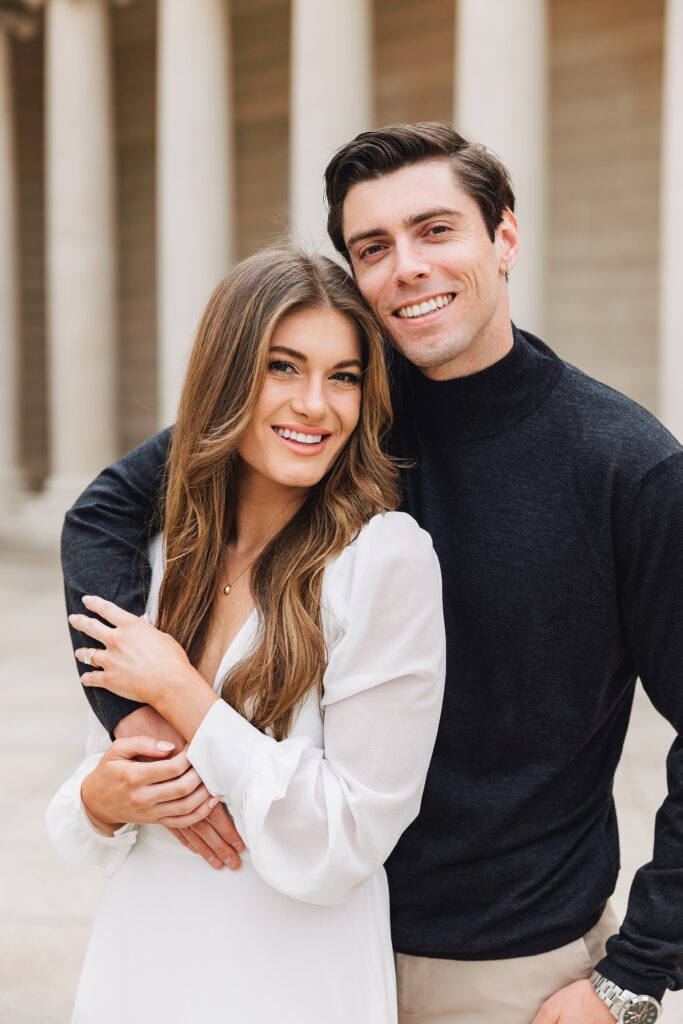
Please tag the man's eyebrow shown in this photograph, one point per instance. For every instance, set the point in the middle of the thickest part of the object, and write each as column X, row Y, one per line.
column 304, row 359
column 416, row 218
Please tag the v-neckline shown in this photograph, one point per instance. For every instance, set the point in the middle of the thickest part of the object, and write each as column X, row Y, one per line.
column 220, row 671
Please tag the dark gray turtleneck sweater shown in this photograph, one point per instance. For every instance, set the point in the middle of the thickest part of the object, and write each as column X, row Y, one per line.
column 556, row 509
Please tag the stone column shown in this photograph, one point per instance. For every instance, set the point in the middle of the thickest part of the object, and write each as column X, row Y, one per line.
column 500, row 100
column 330, row 102
column 194, row 176
column 10, row 474
column 671, row 230
column 81, row 252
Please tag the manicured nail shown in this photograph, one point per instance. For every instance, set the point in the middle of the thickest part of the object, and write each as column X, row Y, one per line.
column 71, row 618
column 164, row 745
column 85, row 598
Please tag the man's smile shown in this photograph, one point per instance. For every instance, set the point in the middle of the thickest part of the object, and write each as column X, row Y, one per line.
column 422, row 308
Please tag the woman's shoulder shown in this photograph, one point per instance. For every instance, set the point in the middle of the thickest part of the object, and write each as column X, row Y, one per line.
column 387, row 535
column 390, row 545
column 384, row 582
column 389, row 528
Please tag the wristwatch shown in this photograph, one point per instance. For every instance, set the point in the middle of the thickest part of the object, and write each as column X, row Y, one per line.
column 626, row 1007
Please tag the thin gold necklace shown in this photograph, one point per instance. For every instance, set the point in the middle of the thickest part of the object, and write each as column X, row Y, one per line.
column 228, row 586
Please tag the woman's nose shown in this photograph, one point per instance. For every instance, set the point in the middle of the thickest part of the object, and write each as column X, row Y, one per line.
column 310, row 400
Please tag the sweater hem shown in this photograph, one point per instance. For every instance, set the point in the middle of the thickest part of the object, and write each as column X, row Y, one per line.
column 528, row 947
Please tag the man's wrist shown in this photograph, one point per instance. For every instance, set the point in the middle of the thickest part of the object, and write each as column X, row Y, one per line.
column 626, row 1007
column 134, row 723
column 630, row 979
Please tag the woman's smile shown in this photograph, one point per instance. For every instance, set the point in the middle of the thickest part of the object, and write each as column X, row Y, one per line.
column 303, row 440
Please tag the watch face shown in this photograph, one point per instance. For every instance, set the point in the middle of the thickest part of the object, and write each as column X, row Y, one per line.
column 641, row 1013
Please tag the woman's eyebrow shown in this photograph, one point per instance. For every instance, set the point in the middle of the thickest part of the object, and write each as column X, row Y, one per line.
column 289, row 352
column 304, row 359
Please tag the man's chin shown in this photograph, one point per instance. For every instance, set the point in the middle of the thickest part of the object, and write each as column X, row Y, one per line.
column 429, row 354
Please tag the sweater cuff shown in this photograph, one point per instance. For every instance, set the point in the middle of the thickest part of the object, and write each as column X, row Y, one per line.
column 226, row 751
column 639, row 984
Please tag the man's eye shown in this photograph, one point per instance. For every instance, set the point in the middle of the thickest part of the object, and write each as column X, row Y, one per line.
column 438, row 229
column 282, row 367
column 370, row 250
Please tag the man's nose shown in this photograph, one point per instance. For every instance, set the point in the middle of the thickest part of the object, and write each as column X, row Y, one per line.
column 410, row 262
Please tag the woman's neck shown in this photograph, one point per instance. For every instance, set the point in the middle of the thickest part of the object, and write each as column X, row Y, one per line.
column 263, row 508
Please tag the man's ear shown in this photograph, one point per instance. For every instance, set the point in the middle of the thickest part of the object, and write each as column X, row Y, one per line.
column 507, row 238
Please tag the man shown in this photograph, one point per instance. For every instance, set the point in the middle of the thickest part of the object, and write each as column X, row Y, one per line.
column 556, row 509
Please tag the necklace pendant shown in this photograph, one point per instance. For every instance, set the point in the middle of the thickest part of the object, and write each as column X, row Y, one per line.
column 227, row 589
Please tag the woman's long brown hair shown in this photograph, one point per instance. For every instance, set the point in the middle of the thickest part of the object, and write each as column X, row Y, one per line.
column 225, row 374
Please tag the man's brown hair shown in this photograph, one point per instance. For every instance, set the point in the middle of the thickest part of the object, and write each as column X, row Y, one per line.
column 373, row 154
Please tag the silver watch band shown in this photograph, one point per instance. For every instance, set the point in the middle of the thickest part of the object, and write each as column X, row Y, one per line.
column 612, row 996
column 615, row 998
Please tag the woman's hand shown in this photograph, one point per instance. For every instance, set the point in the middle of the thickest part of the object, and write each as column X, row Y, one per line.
column 165, row 791
column 138, row 661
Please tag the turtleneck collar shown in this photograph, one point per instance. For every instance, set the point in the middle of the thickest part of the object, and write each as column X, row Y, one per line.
column 488, row 402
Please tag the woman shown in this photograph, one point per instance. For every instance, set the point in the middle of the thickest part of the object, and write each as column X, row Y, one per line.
column 300, row 653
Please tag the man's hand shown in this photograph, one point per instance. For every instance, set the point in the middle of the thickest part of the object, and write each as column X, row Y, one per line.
column 575, row 1004
column 215, row 838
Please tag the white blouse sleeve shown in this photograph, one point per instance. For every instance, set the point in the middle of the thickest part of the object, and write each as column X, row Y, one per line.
column 71, row 832
column 318, row 822
column 73, row 835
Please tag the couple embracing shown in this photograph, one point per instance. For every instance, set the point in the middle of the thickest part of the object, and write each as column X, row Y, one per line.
column 263, row 738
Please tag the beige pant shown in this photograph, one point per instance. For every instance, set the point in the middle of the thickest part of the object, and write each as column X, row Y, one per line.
column 432, row 991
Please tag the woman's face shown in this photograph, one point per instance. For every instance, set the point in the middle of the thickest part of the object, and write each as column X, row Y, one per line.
column 310, row 402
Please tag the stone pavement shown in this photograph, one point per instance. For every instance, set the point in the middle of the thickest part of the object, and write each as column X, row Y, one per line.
column 46, row 907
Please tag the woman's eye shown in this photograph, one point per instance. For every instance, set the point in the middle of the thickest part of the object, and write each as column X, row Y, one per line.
column 282, row 367
column 347, row 378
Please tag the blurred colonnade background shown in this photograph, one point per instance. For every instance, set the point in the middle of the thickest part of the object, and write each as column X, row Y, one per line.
column 147, row 145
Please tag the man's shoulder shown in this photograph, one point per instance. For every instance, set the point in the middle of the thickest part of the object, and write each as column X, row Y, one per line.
column 598, row 418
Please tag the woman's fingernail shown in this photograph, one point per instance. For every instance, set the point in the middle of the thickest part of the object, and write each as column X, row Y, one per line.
column 85, row 598
column 165, row 745
column 213, row 801
column 234, row 863
column 238, row 846
column 215, row 863
column 71, row 618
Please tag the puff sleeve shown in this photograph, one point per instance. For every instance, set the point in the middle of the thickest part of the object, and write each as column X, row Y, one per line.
column 320, row 820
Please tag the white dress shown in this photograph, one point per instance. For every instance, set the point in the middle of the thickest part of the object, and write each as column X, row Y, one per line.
column 300, row 933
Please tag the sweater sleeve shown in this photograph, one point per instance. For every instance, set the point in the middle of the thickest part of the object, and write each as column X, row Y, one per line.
column 318, row 821
column 104, row 545
column 647, row 955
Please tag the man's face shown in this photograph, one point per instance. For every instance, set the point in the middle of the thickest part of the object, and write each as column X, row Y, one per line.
column 415, row 237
